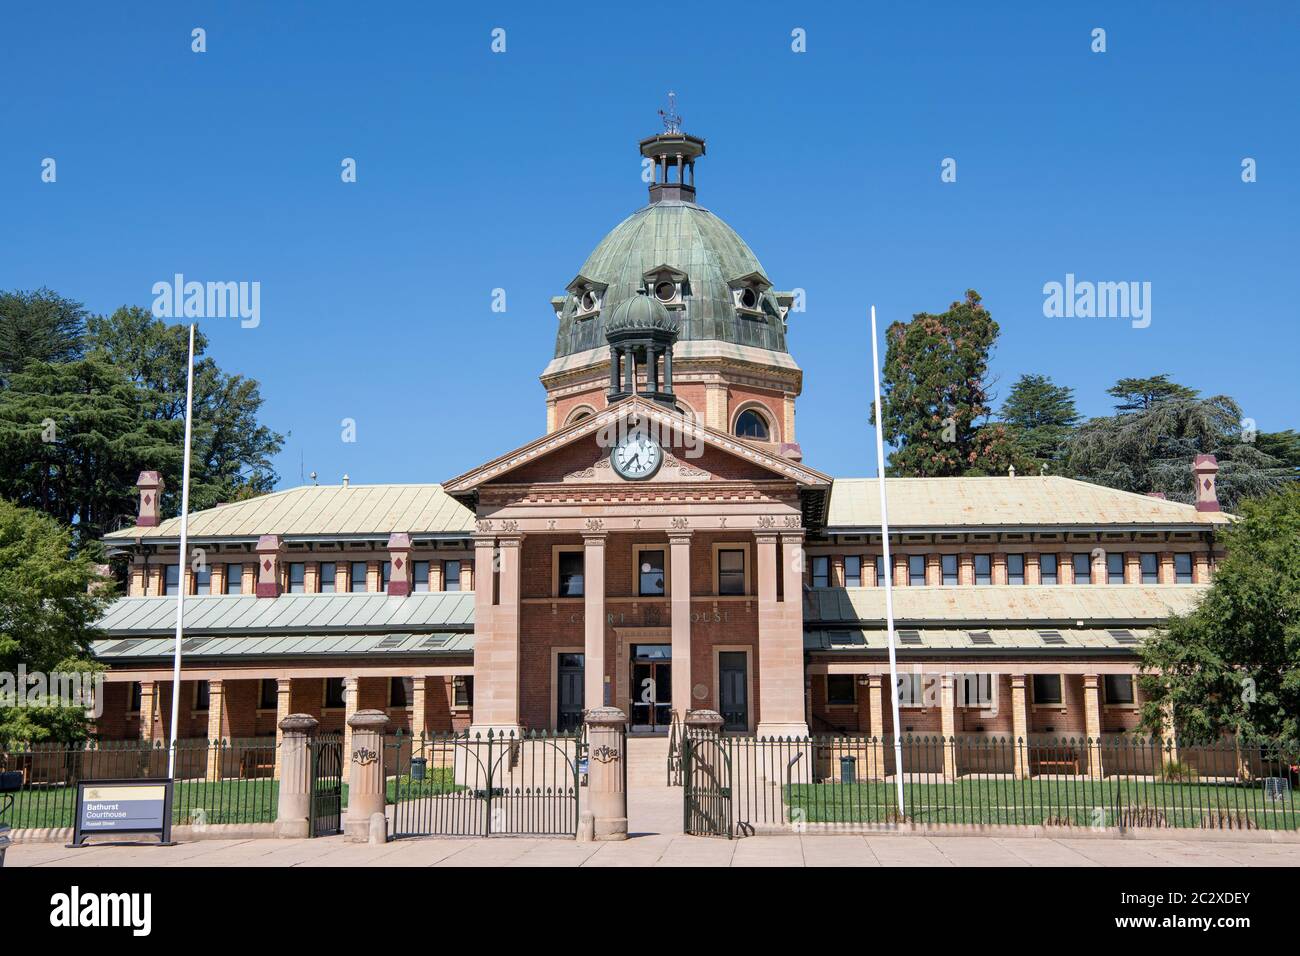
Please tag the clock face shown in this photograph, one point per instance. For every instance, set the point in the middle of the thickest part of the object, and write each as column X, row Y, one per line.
column 636, row 457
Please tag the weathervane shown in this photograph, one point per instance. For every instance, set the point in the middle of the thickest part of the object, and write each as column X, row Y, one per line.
column 672, row 122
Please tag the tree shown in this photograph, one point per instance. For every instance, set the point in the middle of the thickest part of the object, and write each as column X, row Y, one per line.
column 1284, row 446
column 1232, row 665
column 936, row 395
column 50, row 600
column 73, row 439
column 1041, row 416
column 1152, row 448
column 232, row 451
column 1138, row 394
column 38, row 326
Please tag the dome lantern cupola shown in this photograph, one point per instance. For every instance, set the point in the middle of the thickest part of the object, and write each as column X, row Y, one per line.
column 673, row 154
column 641, row 333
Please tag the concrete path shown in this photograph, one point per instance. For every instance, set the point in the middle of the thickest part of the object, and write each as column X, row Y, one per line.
column 665, row 849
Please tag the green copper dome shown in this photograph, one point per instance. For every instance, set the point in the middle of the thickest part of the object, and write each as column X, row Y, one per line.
column 640, row 313
column 697, row 251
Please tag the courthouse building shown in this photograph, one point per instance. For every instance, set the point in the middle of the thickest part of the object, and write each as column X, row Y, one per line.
column 664, row 546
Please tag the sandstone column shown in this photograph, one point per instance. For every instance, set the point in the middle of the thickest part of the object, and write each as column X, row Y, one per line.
column 876, row 704
column 780, row 638
column 593, row 617
column 419, row 715
column 1019, row 726
column 147, row 692
column 365, row 774
column 679, row 545
column 948, row 725
column 216, row 748
column 496, row 646
column 351, row 688
column 283, row 690
column 606, row 814
column 1092, row 723
column 292, row 816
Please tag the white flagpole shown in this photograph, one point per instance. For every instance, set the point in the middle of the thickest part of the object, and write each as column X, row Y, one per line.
column 889, row 566
column 182, row 558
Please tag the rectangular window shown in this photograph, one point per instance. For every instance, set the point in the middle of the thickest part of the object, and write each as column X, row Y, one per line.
column 915, row 570
column 462, row 689
column 233, row 582
column 357, row 576
column 1114, row 568
column 1047, row 688
column 1015, row 569
column 975, row 690
column 731, row 571
column 571, row 574
column 853, row 571
column 1082, row 568
column 203, row 579
column 420, row 576
column 325, row 580
column 386, row 575
column 948, row 567
column 1182, row 569
column 202, row 695
column 650, row 573
column 841, row 690
column 171, row 579
column 334, row 693
column 1047, row 569
column 137, row 694
column 400, row 691
column 983, row 569
column 821, row 571
column 297, row 578
column 1118, row 688
column 451, row 575
column 880, row 571
column 268, row 693
column 1150, row 567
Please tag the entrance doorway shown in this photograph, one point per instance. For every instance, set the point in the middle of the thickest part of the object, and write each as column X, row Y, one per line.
column 569, row 689
column 652, row 687
column 733, row 689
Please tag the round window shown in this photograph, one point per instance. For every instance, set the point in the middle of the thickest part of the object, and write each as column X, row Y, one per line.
column 588, row 301
column 666, row 291
column 749, row 298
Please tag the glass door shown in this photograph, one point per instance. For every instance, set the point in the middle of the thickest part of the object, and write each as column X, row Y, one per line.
column 652, row 687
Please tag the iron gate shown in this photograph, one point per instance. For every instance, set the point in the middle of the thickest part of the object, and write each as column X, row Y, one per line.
column 706, row 785
column 487, row 785
column 326, row 815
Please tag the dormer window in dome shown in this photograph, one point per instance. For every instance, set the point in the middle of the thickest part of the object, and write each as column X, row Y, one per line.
column 668, row 285
column 589, row 295
column 747, row 294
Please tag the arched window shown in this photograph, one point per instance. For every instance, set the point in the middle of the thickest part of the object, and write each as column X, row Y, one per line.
column 578, row 414
column 751, row 424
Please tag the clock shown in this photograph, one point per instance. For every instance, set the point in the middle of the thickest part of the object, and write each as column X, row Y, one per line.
column 636, row 457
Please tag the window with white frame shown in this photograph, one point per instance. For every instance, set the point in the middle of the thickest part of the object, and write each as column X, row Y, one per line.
column 1015, row 569
column 1047, row 569
column 852, row 571
column 821, row 571
column 948, row 568
column 327, row 577
column 983, row 569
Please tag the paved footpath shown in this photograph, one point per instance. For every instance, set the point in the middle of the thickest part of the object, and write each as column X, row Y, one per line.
column 666, row 849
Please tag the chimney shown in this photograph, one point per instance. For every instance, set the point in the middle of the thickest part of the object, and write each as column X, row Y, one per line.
column 399, row 553
column 268, row 566
column 151, row 485
column 1205, row 467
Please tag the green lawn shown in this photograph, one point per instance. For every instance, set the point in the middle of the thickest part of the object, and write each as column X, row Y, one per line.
column 1039, row 801
column 216, row 801
column 437, row 781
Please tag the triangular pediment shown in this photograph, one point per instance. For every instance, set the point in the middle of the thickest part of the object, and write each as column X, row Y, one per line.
column 579, row 454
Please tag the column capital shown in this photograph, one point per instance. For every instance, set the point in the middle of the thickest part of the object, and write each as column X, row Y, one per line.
column 1018, row 680
column 1091, row 680
column 680, row 536
column 766, row 537
column 594, row 537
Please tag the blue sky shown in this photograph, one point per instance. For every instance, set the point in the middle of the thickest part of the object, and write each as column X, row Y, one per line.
column 479, row 171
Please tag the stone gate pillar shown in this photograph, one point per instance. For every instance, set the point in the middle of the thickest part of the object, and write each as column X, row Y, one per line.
column 365, row 773
column 291, row 818
column 606, row 814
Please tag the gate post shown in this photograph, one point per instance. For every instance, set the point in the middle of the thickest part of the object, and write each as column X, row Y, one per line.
column 294, row 809
column 365, row 774
column 707, row 720
column 606, row 814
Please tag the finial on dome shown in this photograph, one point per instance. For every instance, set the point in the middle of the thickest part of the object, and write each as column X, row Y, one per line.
column 674, row 154
column 672, row 120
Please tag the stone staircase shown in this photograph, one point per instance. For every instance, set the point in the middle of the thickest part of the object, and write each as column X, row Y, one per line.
column 647, row 762
column 652, row 806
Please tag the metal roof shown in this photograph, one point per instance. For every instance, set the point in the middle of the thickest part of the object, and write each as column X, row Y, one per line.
column 945, row 639
column 324, row 511
column 301, row 613
column 1035, row 501
column 1095, row 604
column 298, row 646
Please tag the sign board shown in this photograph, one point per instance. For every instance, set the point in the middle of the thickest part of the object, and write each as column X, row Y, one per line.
column 123, row 807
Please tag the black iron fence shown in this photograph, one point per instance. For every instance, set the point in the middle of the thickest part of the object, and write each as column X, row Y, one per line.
column 219, row 781
column 736, row 785
column 485, row 785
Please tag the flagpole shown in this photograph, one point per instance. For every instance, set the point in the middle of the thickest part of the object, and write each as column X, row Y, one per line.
column 889, row 567
column 182, row 558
